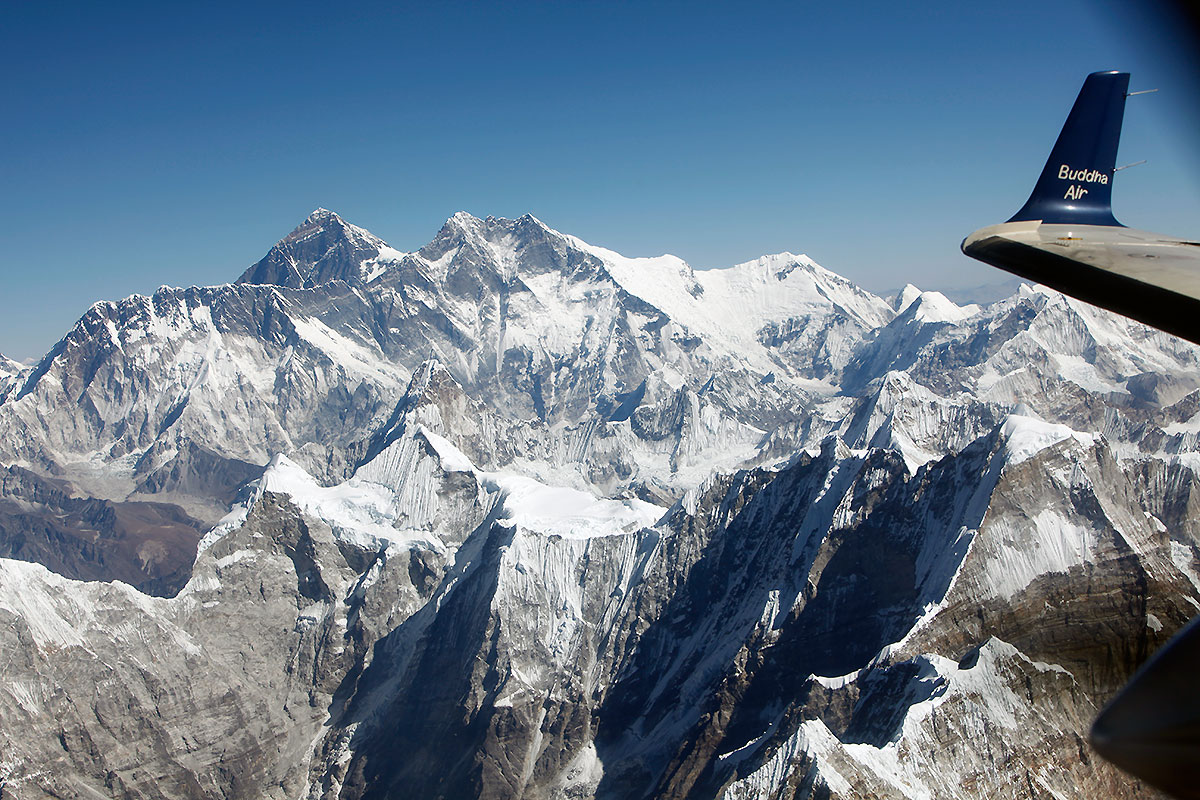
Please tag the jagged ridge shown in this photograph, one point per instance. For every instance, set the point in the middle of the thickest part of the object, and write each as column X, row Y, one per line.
column 837, row 535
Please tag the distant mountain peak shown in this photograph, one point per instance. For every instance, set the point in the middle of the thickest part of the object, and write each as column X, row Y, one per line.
column 464, row 219
column 906, row 297
column 932, row 307
column 322, row 248
column 323, row 219
column 489, row 227
column 9, row 367
column 499, row 245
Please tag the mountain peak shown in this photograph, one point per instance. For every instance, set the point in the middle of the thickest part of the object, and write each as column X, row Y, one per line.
column 530, row 219
column 322, row 248
column 906, row 297
column 321, row 220
column 9, row 367
column 1025, row 437
column 489, row 226
column 464, row 219
column 498, row 244
column 932, row 307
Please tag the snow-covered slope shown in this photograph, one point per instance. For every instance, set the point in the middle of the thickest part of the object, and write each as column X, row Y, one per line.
column 8, row 367
column 517, row 516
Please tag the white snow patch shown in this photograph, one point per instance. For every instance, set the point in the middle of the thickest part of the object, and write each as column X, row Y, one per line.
column 235, row 557
column 936, row 307
column 25, row 594
column 841, row 680
column 990, row 695
column 357, row 510
column 344, row 352
column 62, row 612
column 1184, row 560
column 906, row 298
column 1026, row 437
column 1177, row 428
column 1018, row 551
column 453, row 459
column 813, row 738
column 234, row 519
column 569, row 513
column 388, row 257
column 1079, row 371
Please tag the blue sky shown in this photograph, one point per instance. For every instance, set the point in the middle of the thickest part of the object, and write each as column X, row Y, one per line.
column 156, row 143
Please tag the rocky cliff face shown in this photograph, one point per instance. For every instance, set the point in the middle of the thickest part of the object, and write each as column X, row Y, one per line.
column 515, row 516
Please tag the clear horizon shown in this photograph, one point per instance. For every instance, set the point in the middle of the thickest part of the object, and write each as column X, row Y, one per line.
column 153, row 145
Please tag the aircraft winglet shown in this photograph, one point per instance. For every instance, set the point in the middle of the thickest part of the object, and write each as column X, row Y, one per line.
column 1065, row 235
column 1076, row 183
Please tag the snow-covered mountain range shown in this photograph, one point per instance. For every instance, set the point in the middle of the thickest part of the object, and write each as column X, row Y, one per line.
column 518, row 516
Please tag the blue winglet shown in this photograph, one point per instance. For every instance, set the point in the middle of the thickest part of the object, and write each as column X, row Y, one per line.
column 1076, row 183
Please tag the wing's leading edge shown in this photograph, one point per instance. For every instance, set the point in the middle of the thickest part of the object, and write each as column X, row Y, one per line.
column 1065, row 236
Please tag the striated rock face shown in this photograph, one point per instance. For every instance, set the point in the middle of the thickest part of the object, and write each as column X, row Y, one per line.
column 631, row 531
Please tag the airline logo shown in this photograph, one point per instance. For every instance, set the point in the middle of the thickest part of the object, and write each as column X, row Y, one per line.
column 1065, row 173
column 1080, row 176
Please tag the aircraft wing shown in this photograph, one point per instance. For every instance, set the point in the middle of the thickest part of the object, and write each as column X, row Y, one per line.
column 1152, row 278
column 1065, row 236
column 1150, row 727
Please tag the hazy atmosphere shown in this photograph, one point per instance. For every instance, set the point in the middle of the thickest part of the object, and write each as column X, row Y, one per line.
column 149, row 144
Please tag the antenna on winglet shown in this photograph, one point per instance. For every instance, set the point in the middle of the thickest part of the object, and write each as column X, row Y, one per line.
column 1143, row 161
column 1075, row 186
